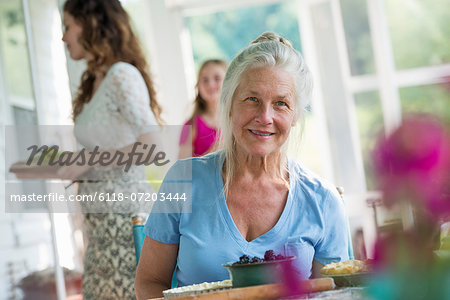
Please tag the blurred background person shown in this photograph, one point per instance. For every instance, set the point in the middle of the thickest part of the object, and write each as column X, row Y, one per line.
column 201, row 137
column 114, row 108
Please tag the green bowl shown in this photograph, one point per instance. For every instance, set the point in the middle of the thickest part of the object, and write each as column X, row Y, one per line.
column 257, row 273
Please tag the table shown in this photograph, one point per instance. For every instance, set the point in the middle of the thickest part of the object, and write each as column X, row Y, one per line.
column 322, row 289
column 350, row 293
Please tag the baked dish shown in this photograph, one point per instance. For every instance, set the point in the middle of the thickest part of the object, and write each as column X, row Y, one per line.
column 195, row 289
column 345, row 267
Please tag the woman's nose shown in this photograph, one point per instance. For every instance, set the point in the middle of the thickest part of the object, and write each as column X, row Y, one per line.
column 265, row 114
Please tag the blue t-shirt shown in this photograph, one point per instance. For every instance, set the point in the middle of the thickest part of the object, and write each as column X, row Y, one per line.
column 312, row 225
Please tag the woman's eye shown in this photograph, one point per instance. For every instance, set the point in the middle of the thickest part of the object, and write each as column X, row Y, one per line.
column 252, row 98
column 281, row 103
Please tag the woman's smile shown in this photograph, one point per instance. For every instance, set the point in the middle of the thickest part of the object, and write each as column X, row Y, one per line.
column 261, row 134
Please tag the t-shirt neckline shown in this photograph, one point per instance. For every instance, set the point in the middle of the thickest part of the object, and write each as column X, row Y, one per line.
column 229, row 222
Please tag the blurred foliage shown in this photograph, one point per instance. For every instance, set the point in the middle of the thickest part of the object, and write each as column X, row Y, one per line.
column 224, row 33
column 370, row 123
column 420, row 32
column 14, row 50
column 432, row 99
column 357, row 32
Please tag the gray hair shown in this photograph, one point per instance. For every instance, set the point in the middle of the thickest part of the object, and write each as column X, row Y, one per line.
column 268, row 50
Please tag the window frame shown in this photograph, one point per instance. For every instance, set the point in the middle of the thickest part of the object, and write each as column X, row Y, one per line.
column 387, row 80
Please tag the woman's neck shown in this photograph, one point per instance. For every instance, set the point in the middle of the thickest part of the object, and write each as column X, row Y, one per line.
column 100, row 74
column 211, row 110
column 101, row 71
column 270, row 166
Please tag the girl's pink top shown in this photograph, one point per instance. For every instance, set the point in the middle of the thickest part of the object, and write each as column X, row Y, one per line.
column 204, row 139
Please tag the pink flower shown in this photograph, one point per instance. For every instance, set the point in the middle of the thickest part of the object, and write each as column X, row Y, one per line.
column 413, row 163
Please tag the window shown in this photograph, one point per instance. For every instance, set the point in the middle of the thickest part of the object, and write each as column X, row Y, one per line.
column 419, row 36
column 28, row 246
column 223, row 34
column 420, row 32
column 357, row 32
column 13, row 44
column 370, row 125
column 432, row 99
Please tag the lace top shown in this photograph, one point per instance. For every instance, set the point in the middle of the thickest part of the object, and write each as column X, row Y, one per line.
column 118, row 113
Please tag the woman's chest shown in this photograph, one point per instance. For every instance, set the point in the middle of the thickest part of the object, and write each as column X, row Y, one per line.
column 100, row 123
column 206, row 245
column 101, row 109
column 256, row 211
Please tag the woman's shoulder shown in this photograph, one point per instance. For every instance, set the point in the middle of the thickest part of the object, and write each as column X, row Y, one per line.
column 123, row 66
column 206, row 161
column 188, row 122
column 195, row 120
column 309, row 181
column 194, row 170
column 122, row 70
column 201, row 122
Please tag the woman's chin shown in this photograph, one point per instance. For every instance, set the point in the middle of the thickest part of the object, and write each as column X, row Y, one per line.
column 212, row 100
column 262, row 152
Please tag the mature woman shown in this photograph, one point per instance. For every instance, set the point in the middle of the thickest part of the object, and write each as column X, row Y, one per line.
column 248, row 197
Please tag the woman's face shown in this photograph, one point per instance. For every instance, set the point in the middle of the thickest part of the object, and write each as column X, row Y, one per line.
column 71, row 37
column 263, row 110
column 210, row 82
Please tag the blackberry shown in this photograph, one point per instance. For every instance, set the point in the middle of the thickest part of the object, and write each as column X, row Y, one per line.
column 269, row 255
column 244, row 259
column 256, row 260
column 279, row 257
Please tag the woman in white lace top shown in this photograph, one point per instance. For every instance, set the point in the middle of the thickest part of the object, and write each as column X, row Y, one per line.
column 115, row 107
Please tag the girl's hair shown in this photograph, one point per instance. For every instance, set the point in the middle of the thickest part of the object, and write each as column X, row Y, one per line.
column 108, row 36
column 268, row 50
column 200, row 105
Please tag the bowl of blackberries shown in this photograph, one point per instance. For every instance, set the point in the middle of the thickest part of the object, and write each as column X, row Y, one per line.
column 248, row 271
